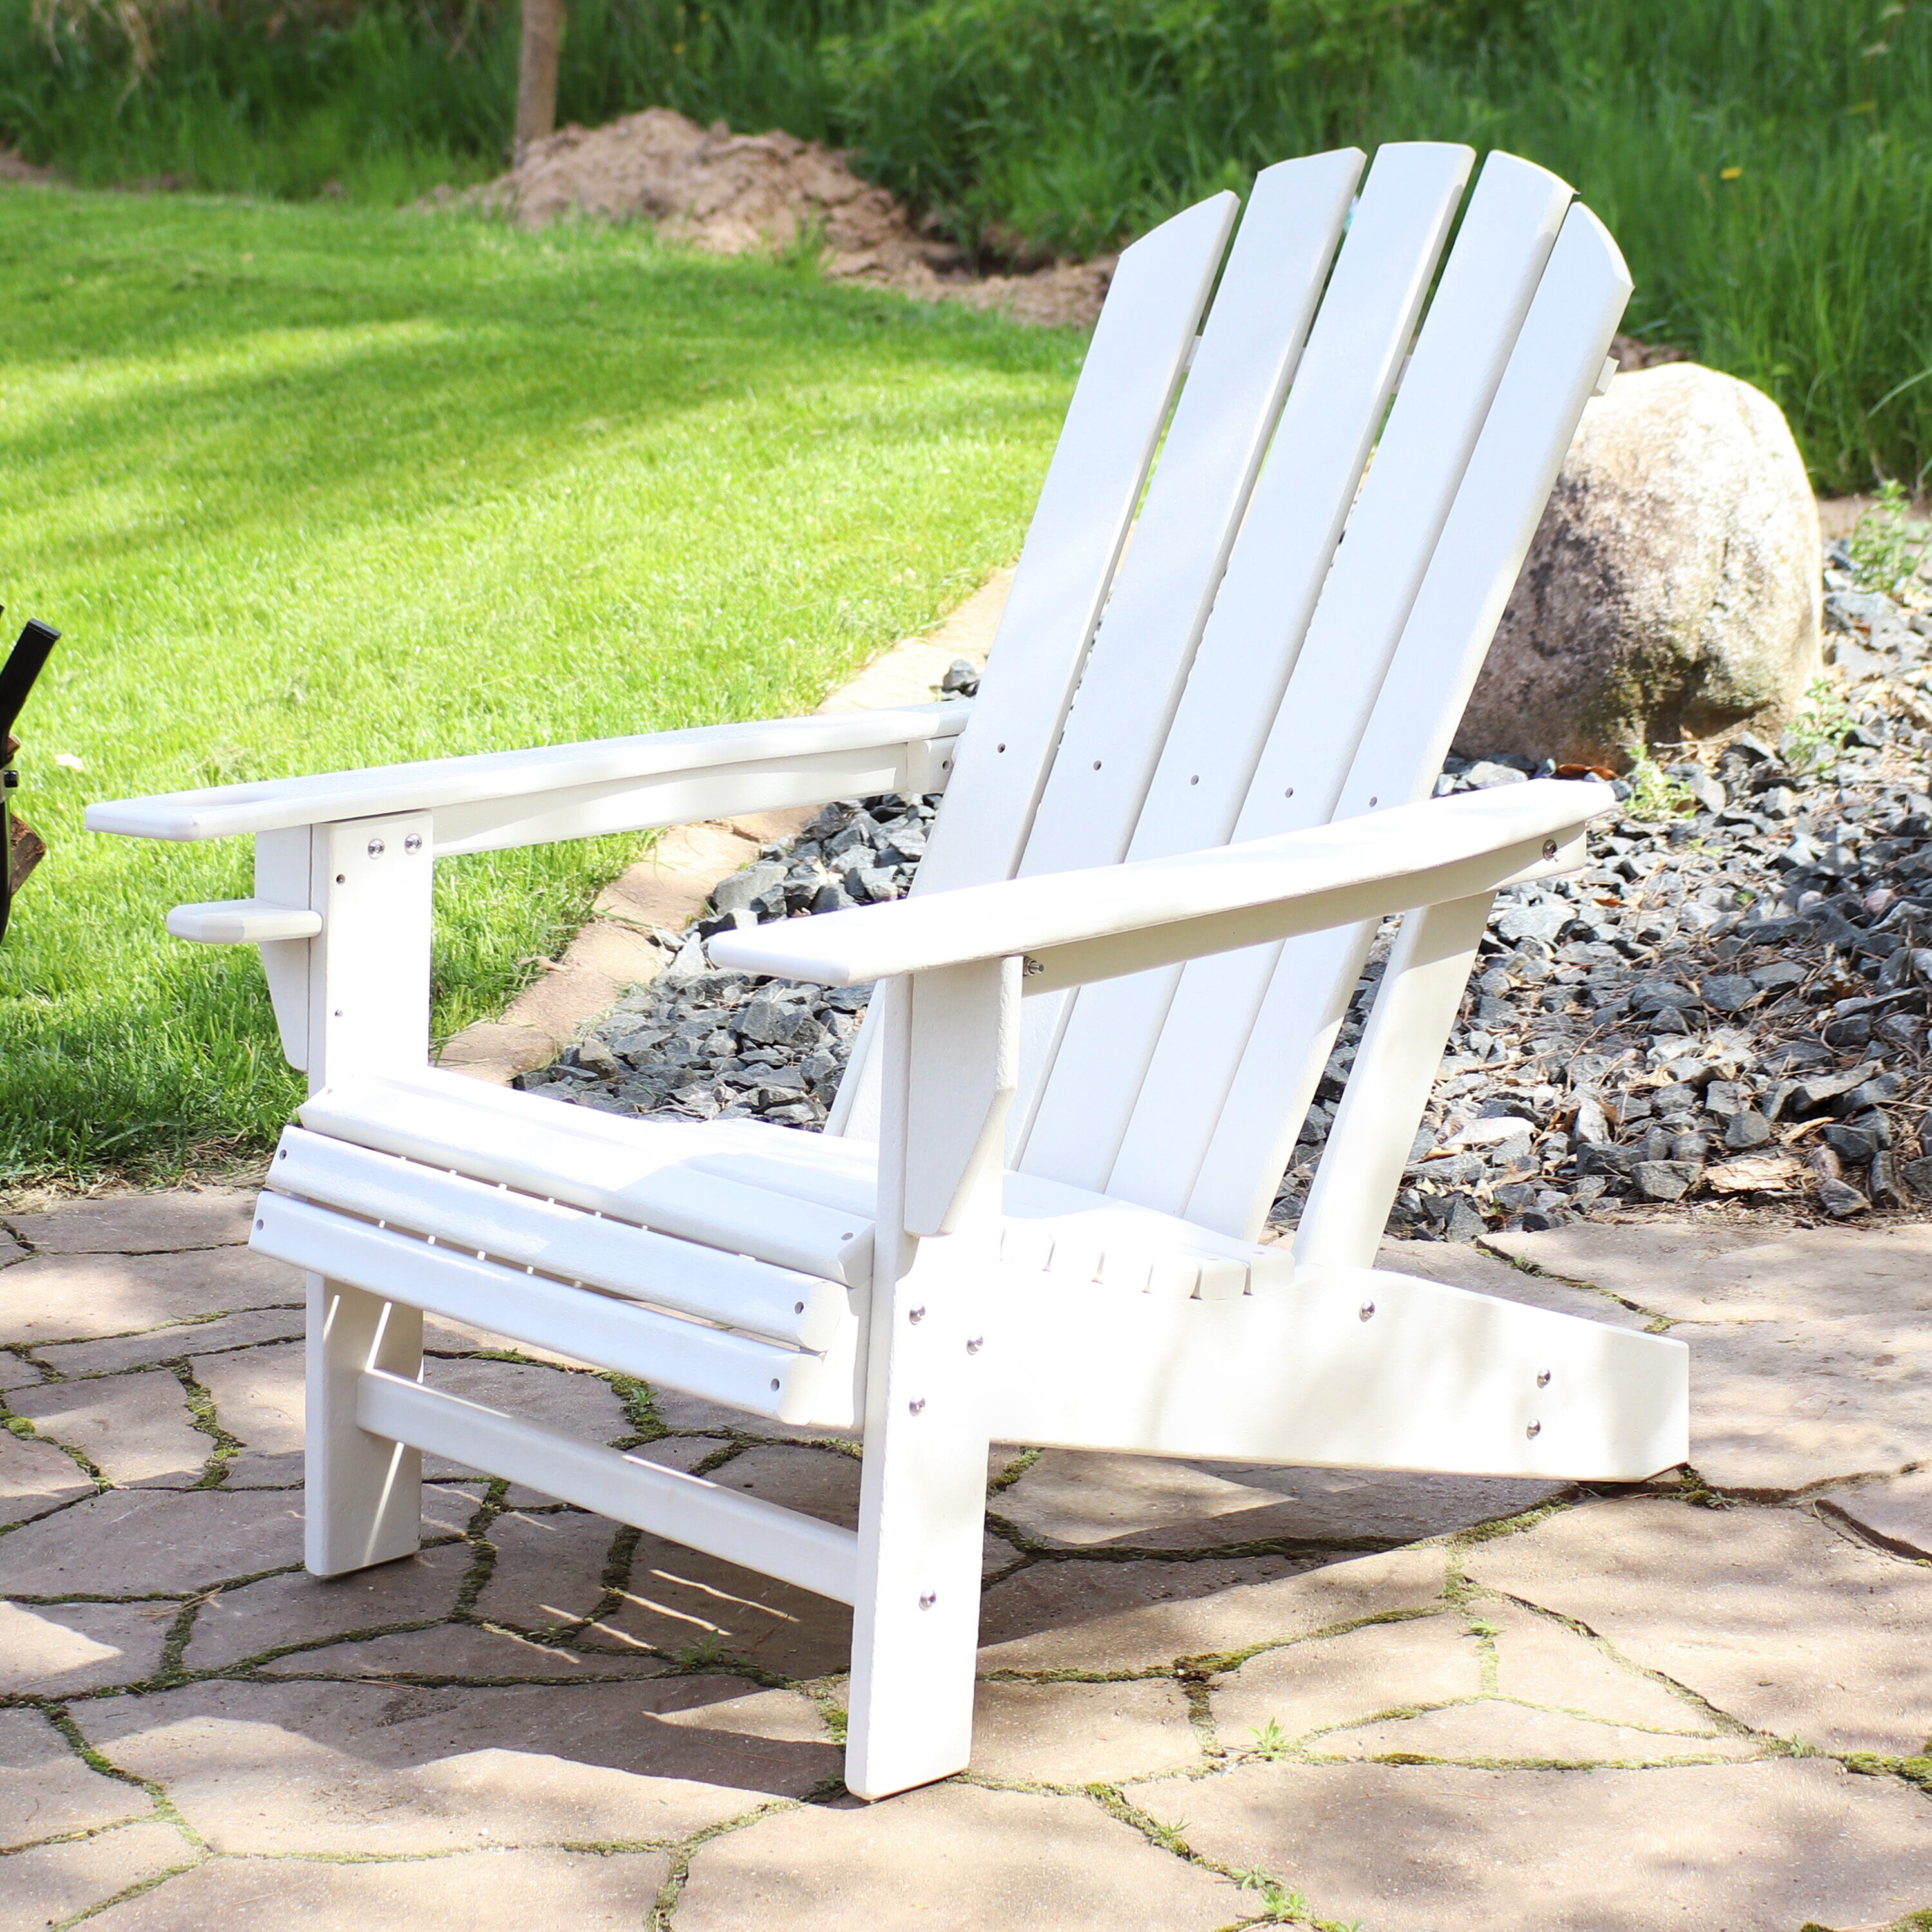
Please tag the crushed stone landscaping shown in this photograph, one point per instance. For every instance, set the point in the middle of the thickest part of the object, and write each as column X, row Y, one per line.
column 1729, row 1007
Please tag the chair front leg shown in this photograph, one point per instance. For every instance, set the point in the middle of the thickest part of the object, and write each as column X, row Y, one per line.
column 363, row 1494
column 368, row 973
column 950, row 1039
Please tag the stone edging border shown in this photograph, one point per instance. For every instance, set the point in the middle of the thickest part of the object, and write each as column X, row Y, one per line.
column 665, row 889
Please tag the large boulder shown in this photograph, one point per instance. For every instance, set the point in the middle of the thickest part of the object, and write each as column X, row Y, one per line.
column 1673, row 587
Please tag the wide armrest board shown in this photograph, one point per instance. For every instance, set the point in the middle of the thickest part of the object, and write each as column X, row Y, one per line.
column 1076, row 926
column 491, row 778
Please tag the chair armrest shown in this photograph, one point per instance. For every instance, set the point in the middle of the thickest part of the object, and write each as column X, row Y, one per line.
column 1073, row 928
column 498, row 798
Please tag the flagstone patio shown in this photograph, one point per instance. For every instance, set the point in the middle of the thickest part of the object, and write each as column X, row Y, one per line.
column 1212, row 1695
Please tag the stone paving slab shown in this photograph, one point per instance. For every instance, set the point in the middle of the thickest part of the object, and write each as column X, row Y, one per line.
column 45, row 1789
column 950, row 1859
column 1076, row 1498
column 134, row 1428
column 47, row 1884
column 362, row 1770
column 281, row 1612
column 1059, row 1733
column 36, row 1477
column 1238, row 1647
column 1707, row 1848
column 132, row 1542
column 67, row 1650
column 1493, row 1731
column 1811, row 1349
column 1896, row 1513
column 178, row 1342
column 480, row 1891
column 139, row 1224
column 50, row 1298
column 1770, row 1614
column 1716, row 1271
column 1142, row 1616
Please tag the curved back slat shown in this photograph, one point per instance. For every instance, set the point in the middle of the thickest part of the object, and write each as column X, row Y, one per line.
column 1274, row 576
column 1290, row 638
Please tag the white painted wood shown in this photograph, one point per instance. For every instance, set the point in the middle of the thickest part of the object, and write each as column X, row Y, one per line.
column 1141, row 349
column 1183, row 1103
column 283, row 862
column 1529, row 427
column 922, row 1507
column 1044, row 1223
column 1238, row 376
column 443, row 785
column 701, row 1515
column 1395, row 1066
column 777, row 1304
column 642, row 805
column 1434, row 1378
column 1275, row 573
column 758, row 1376
column 1166, row 583
column 371, row 881
column 1133, row 365
column 1411, row 850
column 362, row 1493
column 634, row 1171
column 242, row 922
column 965, row 1023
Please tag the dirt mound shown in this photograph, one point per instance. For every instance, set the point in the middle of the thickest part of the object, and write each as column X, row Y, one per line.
column 734, row 193
column 13, row 168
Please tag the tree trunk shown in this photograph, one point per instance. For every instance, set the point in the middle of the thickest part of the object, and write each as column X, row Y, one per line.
column 536, row 73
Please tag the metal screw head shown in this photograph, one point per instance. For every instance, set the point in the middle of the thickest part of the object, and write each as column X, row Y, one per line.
column 978, row 1342
column 1029, row 965
column 1542, row 1380
column 915, row 1315
column 1368, row 1309
column 927, row 1598
column 1549, row 848
column 1535, row 1430
column 413, row 843
column 917, row 1403
column 375, row 848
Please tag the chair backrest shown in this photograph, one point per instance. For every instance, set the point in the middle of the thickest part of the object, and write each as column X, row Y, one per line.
column 1319, row 560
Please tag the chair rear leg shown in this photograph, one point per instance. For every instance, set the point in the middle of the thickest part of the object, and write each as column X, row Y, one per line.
column 363, row 1493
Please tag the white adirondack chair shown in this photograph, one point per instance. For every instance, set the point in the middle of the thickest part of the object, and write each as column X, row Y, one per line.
column 1197, row 772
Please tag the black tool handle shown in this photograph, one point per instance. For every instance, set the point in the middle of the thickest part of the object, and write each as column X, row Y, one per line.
column 24, row 663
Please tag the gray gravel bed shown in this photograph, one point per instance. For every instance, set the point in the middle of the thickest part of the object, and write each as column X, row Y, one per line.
column 1730, row 1004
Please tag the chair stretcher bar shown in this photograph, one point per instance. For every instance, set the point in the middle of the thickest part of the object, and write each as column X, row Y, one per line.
column 817, row 1556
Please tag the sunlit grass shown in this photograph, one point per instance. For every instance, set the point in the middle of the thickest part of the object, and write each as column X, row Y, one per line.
column 308, row 487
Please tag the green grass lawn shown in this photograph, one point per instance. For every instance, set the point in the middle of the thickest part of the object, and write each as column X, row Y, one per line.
column 308, row 487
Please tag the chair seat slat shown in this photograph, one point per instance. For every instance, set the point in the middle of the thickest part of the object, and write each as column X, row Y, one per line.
column 590, row 1160
column 782, row 1304
column 788, row 1385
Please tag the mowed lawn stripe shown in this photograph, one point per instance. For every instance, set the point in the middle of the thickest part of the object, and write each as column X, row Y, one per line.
column 308, row 487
